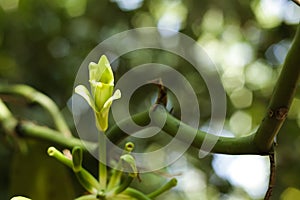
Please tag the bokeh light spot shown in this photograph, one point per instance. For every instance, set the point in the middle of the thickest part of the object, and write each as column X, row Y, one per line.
column 238, row 55
column 240, row 123
column 248, row 171
column 241, row 98
column 126, row 5
column 258, row 75
column 233, row 78
column 213, row 21
column 75, row 8
column 9, row 5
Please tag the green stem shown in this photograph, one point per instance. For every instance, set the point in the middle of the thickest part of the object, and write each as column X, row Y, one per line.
column 136, row 194
column 115, row 178
column 170, row 184
column 53, row 152
column 7, row 119
column 84, row 177
column 242, row 145
column 116, row 135
column 260, row 143
column 125, row 184
column 27, row 129
column 225, row 145
column 30, row 130
column 102, row 161
column 281, row 99
column 34, row 96
column 117, row 172
column 77, row 158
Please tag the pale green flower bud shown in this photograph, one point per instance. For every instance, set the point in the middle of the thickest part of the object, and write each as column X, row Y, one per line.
column 101, row 80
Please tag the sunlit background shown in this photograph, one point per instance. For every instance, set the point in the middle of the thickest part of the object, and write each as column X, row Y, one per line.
column 42, row 43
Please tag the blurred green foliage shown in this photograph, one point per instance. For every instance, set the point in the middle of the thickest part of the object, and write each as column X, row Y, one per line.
column 42, row 44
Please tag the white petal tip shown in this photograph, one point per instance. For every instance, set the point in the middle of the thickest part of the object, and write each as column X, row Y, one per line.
column 79, row 89
column 117, row 94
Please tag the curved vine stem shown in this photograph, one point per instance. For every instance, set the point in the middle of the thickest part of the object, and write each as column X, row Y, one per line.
column 281, row 99
column 136, row 194
column 258, row 143
column 7, row 119
column 30, row 130
column 242, row 145
column 44, row 101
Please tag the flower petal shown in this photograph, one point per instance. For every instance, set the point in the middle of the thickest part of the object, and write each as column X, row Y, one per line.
column 107, row 75
column 115, row 96
column 93, row 71
column 101, row 121
column 102, row 116
column 84, row 92
column 101, row 71
column 102, row 92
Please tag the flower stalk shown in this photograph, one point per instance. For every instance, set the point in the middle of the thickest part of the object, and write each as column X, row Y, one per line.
column 102, row 161
column 100, row 98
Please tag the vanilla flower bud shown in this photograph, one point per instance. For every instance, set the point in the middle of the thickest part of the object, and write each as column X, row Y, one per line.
column 101, row 81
